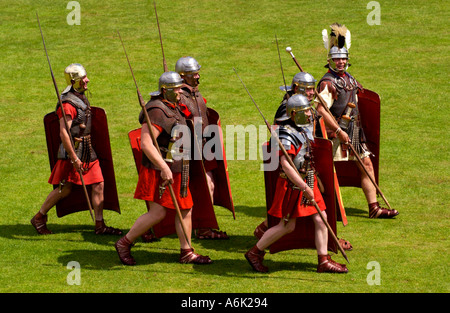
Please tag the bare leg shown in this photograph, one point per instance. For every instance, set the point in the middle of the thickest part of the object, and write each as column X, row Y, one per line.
column 155, row 214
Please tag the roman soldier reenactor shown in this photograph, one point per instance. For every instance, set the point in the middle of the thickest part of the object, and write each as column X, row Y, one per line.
column 346, row 101
column 160, row 168
column 90, row 154
column 213, row 170
column 291, row 199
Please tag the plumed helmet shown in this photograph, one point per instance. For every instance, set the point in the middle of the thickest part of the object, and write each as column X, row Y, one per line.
column 300, row 104
column 337, row 43
column 337, row 53
column 187, row 65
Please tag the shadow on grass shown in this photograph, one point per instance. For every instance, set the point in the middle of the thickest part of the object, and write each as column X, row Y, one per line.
column 251, row 211
column 27, row 232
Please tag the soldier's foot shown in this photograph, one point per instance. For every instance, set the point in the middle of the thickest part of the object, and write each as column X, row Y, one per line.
column 39, row 222
column 376, row 211
column 189, row 256
column 255, row 258
column 327, row 265
column 102, row 229
column 123, row 248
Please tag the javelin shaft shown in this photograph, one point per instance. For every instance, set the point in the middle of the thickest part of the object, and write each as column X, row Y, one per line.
column 281, row 66
column 155, row 143
column 291, row 163
column 65, row 119
column 166, row 69
column 322, row 102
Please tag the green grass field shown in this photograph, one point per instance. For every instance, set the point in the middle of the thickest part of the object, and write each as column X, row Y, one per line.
column 405, row 60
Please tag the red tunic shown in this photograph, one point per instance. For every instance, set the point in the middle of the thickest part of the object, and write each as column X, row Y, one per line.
column 64, row 169
column 284, row 192
column 148, row 189
column 148, row 186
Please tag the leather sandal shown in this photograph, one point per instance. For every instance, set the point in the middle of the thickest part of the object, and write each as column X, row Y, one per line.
column 39, row 222
column 208, row 233
column 102, row 229
column 376, row 211
column 260, row 230
column 123, row 248
column 189, row 256
column 327, row 265
column 255, row 257
column 149, row 236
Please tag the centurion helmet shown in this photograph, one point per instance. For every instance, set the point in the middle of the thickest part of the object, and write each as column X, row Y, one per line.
column 74, row 73
column 303, row 80
column 335, row 44
column 187, row 65
column 300, row 105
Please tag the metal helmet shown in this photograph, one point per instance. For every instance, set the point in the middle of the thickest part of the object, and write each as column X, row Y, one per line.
column 337, row 53
column 300, row 105
column 187, row 65
column 303, row 80
column 169, row 81
column 74, row 72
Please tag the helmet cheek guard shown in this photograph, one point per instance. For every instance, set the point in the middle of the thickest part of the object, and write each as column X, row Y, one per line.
column 301, row 106
column 73, row 74
column 337, row 53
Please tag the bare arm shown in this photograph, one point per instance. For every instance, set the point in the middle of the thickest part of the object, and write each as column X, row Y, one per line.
column 65, row 139
column 296, row 179
column 153, row 154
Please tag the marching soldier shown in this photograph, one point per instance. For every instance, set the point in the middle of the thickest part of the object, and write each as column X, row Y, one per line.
column 158, row 170
column 70, row 161
column 303, row 83
column 189, row 68
column 293, row 194
column 340, row 91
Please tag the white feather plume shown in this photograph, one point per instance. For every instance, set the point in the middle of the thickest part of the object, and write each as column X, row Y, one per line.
column 325, row 38
column 348, row 39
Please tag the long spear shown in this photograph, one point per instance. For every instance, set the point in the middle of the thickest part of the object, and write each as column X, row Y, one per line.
column 166, row 69
column 356, row 154
column 336, row 182
column 155, row 143
column 322, row 102
column 65, row 119
column 291, row 163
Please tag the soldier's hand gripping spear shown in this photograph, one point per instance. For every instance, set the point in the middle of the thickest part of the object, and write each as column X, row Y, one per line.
column 291, row 163
column 67, row 128
column 155, row 143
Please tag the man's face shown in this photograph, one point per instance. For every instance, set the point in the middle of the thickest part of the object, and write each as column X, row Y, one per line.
column 310, row 93
column 81, row 85
column 192, row 79
column 340, row 64
column 172, row 95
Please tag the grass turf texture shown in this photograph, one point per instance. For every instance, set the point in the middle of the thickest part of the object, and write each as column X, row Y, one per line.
column 405, row 60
